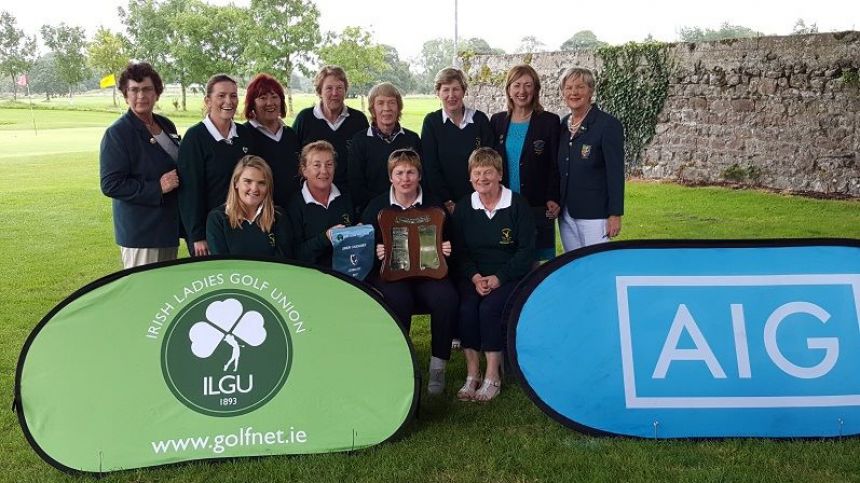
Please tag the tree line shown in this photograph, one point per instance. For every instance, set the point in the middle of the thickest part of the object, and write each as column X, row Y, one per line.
column 189, row 40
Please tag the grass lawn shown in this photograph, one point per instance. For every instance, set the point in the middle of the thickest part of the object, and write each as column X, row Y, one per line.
column 58, row 236
column 59, row 131
column 95, row 103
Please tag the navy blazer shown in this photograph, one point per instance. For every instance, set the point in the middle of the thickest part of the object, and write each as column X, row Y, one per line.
column 591, row 166
column 131, row 165
column 538, row 159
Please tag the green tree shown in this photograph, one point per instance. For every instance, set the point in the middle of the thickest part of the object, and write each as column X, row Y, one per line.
column 225, row 39
column 584, row 39
column 188, row 26
column 108, row 54
column 17, row 51
column 726, row 31
column 44, row 77
column 356, row 53
column 147, row 31
column 478, row 45
column 529, row 44
column 283, row 35
column 67, row 44
column 436, row 54
column 397, row 71
column 187, row 40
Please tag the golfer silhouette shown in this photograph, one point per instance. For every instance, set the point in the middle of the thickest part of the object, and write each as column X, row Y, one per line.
column 234, row 358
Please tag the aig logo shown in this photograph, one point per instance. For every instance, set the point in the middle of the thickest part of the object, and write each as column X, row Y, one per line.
column 739, row 341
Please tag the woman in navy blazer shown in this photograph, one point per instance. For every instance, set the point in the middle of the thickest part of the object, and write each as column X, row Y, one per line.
column 591, row 166
column 138, row 170
column 527, row 138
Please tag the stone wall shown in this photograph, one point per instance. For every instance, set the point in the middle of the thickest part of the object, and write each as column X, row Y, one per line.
column 774, row 112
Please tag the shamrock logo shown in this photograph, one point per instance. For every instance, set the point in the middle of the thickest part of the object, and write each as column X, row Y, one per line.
column 227, row 321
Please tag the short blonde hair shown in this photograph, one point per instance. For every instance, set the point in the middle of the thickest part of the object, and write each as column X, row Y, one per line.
column 323, row 146
column 385, row 89
column 484, row 158
column 448, row 75
column 233, row 205
column 330, row 70
column 406, row 156
column 586, row 74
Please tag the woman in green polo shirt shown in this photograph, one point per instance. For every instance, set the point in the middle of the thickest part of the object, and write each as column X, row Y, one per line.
column 207, row 155
column 494, row 247
column 249, row 223
column 319, row 207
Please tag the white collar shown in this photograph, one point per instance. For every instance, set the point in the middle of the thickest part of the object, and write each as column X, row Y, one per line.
column 256, row 215
column 468, row 117
column 393, row 201
column 210, row 126
column 344, row 113
column 308, row 197
column 370, row 132
column 504, row 202
column 263, row 129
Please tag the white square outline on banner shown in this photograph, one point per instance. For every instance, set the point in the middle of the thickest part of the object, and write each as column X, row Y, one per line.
column 622, row 283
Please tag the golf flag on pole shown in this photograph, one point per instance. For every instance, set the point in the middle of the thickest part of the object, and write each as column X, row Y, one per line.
column 107, row 81
column 22, row 80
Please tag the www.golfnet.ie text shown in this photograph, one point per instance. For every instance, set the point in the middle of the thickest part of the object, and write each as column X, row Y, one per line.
column 220, row 442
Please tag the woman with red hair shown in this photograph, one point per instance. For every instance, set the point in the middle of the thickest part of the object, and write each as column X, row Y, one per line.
column 275, row 142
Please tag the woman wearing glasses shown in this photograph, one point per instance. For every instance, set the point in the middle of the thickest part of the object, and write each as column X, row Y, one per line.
column 137, row 164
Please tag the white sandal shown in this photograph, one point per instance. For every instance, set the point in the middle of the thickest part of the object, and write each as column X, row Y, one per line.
column 488, row 391
column 467, row 392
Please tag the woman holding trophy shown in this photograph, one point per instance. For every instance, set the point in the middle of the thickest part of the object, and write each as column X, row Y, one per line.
column 404, row 295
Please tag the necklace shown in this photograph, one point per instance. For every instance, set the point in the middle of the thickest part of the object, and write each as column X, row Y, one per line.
column 574, row 126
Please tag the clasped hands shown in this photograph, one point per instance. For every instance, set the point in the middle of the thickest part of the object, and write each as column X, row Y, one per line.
column 485, row 285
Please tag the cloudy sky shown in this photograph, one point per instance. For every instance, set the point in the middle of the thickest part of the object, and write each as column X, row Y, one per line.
column 406, row 24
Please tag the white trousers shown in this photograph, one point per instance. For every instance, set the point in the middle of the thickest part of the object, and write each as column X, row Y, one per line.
column 135, row 257
column 578, row 233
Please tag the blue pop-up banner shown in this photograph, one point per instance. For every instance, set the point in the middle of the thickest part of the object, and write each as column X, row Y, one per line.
column 692, row 339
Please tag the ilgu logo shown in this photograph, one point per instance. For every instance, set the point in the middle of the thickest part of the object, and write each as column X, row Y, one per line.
column 227, row 353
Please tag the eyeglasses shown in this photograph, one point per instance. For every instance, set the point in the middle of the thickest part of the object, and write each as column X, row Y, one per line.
column 145, row 90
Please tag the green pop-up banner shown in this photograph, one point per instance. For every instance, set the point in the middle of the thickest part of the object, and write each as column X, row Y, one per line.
column 218, row 358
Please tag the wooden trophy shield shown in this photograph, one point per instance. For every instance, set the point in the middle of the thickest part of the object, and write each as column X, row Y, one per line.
column 413, row 243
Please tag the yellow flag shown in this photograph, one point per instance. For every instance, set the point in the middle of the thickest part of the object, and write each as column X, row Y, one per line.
column 107, row 81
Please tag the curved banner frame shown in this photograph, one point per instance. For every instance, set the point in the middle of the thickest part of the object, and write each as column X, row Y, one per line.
column 694, row 338
column 222, row 357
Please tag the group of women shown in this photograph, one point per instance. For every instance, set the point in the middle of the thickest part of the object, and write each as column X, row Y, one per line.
column 265, row 189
